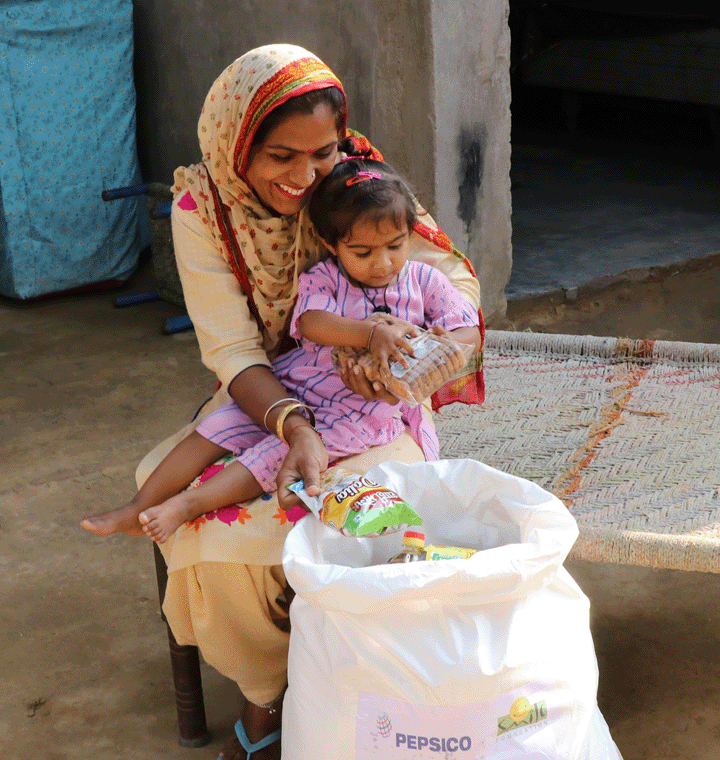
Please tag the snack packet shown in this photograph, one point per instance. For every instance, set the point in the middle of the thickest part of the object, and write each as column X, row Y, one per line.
column 448, row 552
column 357, row 506
column 436, row 361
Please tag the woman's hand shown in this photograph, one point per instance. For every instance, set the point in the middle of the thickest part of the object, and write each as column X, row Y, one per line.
column 259, row 393
column 306, row 459
column 356, row 381
column 469, row 335
column 441, row 331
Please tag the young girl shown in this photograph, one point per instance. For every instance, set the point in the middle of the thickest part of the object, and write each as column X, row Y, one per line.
column 365, row 295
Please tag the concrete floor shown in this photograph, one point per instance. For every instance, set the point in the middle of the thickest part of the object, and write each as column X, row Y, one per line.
column 608, row 185
column 592, row 209
column 87, row 390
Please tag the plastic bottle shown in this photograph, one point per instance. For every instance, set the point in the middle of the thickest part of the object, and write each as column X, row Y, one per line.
column 413, row 548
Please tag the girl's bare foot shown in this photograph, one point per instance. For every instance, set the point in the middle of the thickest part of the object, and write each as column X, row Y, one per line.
column 121, row 520
column 162, row 521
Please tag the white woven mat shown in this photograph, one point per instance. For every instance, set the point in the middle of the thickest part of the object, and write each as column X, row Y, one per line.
column 626, row 433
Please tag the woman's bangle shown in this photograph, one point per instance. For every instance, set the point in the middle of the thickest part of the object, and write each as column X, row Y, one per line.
column 283, row 416
column 272, row 406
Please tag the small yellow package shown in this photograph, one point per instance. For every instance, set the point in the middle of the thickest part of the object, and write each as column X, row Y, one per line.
column 448, row 552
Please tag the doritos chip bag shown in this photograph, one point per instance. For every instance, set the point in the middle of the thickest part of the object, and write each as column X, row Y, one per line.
column 357, row 506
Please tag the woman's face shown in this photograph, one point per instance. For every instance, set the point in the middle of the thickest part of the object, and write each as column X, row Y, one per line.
column 296, row 155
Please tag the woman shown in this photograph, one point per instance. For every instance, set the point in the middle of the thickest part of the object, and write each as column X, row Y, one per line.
column 273, row 125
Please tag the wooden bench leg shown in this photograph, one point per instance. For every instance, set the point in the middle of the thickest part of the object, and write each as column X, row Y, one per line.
column 185, row 662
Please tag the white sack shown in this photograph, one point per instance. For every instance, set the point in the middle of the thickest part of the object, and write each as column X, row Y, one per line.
column 489, row 657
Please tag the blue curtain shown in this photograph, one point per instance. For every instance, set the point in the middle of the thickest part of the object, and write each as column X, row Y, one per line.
column 67, row 131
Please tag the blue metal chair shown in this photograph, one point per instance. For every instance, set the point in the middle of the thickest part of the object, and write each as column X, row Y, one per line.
column 159, row 202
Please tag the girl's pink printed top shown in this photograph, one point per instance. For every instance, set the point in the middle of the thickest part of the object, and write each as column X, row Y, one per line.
column 422, row 295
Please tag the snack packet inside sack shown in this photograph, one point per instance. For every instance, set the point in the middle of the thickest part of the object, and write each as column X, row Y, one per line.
column 448, row 552
column 357, row 506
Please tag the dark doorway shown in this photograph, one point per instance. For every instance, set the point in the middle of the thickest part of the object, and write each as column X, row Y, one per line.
column 615, row 138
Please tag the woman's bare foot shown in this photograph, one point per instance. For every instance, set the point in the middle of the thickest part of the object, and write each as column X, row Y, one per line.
column 120, row 520
column 258, row 723
column 162, row 521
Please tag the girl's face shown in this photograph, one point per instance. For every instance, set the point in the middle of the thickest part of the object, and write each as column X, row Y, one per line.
column 296, row 155
column 374, row 253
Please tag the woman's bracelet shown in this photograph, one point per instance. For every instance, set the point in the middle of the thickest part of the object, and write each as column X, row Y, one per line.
column 272, row 406
column 285, row 412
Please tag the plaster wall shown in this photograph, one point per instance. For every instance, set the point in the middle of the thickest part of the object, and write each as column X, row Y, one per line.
column 472, row 200
column 441, row 112
column 182, row 46
column 427, row 80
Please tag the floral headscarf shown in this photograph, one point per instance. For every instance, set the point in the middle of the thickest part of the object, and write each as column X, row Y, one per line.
column 266, row 252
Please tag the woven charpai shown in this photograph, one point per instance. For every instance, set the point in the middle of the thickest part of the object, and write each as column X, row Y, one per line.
column 626, row 433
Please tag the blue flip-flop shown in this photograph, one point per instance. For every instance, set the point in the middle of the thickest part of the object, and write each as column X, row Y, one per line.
column 248, row 746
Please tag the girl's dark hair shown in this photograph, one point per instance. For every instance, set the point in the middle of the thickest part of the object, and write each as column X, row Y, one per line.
column 302, row 104
column 335, row 206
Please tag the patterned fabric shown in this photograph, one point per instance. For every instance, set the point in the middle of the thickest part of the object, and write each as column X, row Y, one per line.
column 423, row 296
column 363, row 145
column 67, row 131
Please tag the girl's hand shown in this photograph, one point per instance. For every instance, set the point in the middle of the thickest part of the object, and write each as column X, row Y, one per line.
column 306, row 459
column 391, row 319
column 389, row 342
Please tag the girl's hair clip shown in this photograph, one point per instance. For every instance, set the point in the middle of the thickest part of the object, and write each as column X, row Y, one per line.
column 350, row 158
column 362, row 177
